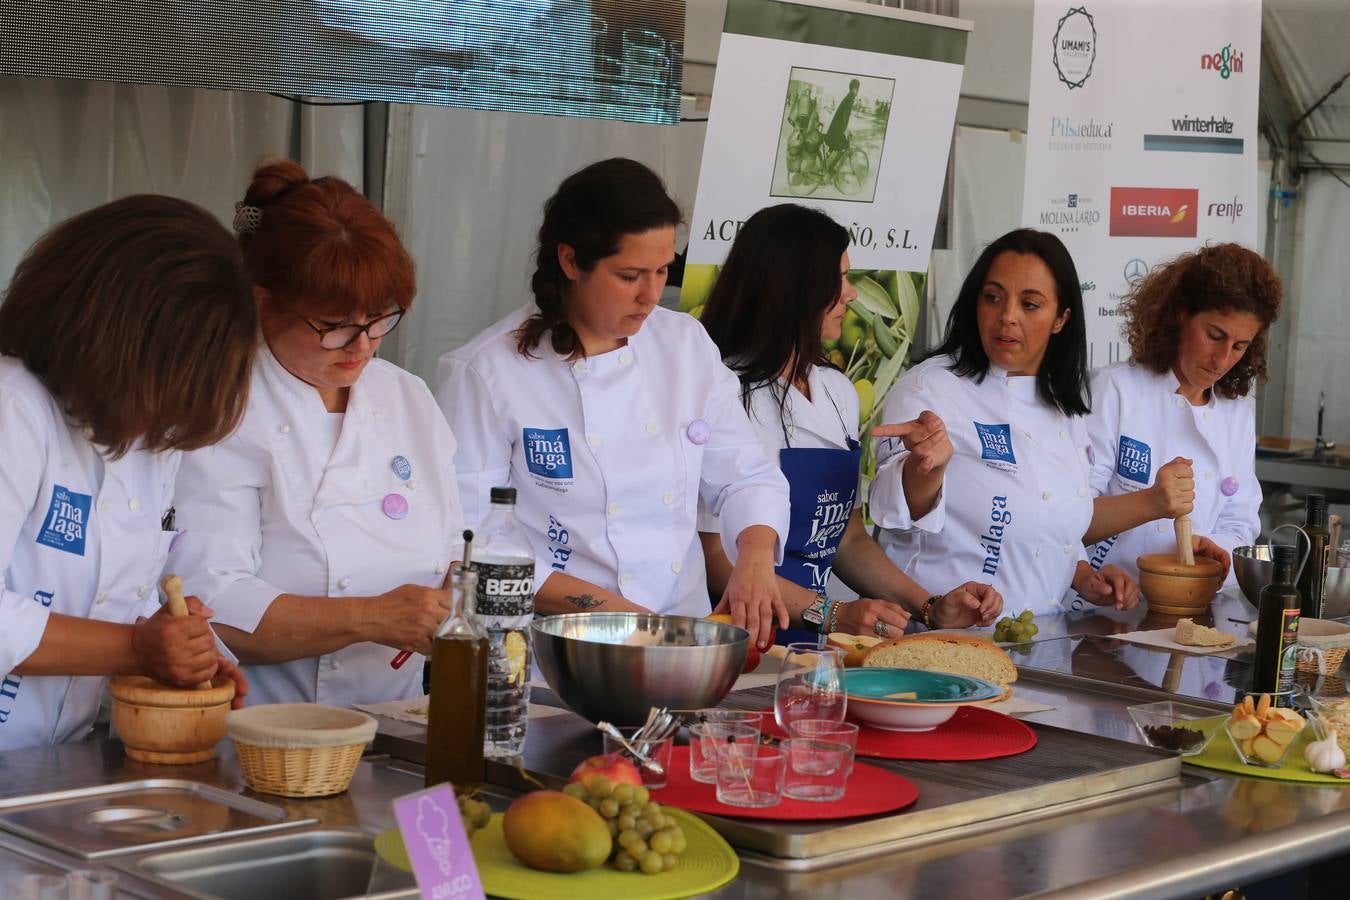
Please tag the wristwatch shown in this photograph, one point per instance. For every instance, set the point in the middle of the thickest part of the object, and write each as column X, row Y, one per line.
column 814, row 615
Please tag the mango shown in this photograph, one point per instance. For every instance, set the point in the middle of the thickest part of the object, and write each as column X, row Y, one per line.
column 552, row 832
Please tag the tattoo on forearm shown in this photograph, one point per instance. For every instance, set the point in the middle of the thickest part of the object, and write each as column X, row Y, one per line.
column 584, row 601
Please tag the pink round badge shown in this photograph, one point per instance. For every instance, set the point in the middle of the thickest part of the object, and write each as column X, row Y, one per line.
column 395, row 506
column 698, row 432
column 1229, row 486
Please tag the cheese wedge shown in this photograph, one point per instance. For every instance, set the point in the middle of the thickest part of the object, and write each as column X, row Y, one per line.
column 1193, row 635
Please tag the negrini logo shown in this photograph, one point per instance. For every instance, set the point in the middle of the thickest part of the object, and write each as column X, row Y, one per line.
column 1226, row 62
column 1229, row 209
column 1153, row 212
column 1075, row 47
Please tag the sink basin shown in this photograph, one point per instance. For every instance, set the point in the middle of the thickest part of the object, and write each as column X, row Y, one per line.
column 328, row 864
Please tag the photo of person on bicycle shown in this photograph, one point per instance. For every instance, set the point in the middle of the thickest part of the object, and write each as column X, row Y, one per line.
column 830, row 162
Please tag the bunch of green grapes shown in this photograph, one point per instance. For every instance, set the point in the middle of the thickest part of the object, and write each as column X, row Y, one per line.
column 1015, row 631
column 475, row 814
column 645, row 838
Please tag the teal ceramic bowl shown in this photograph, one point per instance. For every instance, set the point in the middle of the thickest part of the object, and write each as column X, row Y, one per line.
column 912, row 699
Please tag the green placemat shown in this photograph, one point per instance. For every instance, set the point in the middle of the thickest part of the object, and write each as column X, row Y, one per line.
column 1221, row 757
column 707, row 864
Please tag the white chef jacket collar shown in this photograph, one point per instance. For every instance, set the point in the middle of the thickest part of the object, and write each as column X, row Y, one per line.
column 1174, row 386
column 1023, row 387
column 303, row 394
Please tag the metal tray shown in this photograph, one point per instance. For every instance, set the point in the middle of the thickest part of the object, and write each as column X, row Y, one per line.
column 113, row 819
column 1066, row 770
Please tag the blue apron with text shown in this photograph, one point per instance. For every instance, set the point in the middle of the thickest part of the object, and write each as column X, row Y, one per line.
column 823, row 485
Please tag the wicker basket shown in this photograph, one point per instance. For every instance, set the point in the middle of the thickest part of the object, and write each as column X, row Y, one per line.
column 1331, row 639
column 299, row 749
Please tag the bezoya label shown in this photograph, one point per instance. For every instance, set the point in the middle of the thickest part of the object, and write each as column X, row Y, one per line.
column 505, row 590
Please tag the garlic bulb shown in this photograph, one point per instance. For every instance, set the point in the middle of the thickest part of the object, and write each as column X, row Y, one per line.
column 1325, row 755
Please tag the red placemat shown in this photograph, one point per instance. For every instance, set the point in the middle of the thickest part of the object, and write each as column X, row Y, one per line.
column 973, row 733
column 869, row 792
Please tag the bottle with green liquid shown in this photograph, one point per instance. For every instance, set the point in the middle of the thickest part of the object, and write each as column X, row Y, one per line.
column 457, row 716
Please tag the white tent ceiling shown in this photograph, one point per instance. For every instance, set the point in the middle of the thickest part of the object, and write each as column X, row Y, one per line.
column 1307, row 49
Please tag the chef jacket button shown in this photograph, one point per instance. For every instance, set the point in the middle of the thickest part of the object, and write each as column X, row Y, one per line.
column 668, row 498
column 1209, row 473
column 653, row 428
column 336, row 664
column 1054, row 604
column 134, row 505
column 411, row 484
column 1068, row 548
column 613, row 509
column 142, row 590
column 102, row 597
column 1037, row 554
column 1045, row 495
column 1162, row 529
column 440, row 568
column 624, row 579
column 1082, row 492
column 102, row 506
column 1063, row 435
column 344, row 583
column 593, row 440
column 625, row 358
column 1181, row 401
column 792, row 431
column 284, row 429
column 675, row 567
column 579, row 367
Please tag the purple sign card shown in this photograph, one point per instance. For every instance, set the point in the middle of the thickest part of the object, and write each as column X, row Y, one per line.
column 438, row 848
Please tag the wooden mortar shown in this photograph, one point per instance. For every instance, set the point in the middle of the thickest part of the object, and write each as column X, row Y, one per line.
column 171, row 726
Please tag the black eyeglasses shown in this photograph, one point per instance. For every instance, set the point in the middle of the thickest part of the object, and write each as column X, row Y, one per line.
column 336, row 337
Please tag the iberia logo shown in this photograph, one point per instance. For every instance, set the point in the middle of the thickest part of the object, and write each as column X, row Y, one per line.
column 1153, row 212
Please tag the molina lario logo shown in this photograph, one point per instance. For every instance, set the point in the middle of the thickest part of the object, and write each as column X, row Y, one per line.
column 1154, row 212
column 1075, row 48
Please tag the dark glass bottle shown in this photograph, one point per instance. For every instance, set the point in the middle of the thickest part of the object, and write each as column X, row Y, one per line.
column 1312, row 582
column 457, row 717
column 1277, row 630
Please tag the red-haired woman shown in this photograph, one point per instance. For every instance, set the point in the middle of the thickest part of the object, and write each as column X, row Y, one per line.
column 127, row 334
column 322, row 530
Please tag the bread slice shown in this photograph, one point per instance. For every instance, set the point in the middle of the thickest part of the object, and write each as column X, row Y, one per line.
column 1193, row 635
column 960, row 654
column 855, row 646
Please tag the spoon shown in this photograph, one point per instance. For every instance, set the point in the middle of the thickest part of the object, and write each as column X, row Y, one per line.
column 641, row 758
column 173, row 589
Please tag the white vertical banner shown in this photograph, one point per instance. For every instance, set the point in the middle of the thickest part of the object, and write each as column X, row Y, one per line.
column 1141, row 139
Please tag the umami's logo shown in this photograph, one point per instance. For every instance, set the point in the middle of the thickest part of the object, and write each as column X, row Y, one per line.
column 1153, row 212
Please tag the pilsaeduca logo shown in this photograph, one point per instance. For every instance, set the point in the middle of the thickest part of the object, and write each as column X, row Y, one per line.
column 1153, row 212
column 1075, row 47
column 1226, row 62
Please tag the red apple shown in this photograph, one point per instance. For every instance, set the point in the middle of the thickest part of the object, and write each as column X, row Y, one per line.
column 611, row 765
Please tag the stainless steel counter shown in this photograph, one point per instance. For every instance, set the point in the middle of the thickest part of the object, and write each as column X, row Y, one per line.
column 1198, row 836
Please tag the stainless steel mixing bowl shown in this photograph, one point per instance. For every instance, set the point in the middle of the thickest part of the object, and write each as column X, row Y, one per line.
column 615, row 666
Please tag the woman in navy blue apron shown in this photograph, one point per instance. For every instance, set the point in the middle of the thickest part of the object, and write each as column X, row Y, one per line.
column 780, row 293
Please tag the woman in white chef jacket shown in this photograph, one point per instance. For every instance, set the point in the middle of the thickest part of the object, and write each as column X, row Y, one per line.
column 127, row 333
column 1007, row 497
column 322, row 530
column 782, row 290
column 611, row 416
column 1174, row 429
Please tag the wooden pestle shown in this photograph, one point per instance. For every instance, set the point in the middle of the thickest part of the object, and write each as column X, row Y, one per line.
column 1185, row 553
column 173, row 589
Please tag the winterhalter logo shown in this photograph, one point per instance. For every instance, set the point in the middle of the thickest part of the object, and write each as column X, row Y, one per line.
column 1226, row 62
column 1196, row 134
column 1075, row 47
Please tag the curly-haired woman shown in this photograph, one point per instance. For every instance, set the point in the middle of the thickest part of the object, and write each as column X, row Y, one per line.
column 1174, row 429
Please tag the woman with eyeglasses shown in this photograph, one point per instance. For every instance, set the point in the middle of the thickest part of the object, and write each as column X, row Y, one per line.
column 322, row 530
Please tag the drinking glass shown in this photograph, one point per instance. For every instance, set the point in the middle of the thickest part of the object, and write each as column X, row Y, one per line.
column 42, row 887
column 750, row 775
column 748, row 717
column 810, row 685
column 817, row 769
column 705, row 738
column 91, row 884
column 826, row 730
column 659, row 752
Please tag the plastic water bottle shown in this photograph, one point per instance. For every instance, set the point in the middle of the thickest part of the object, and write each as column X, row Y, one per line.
column 504, row 606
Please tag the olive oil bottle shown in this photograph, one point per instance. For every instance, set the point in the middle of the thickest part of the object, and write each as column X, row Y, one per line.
column 457, row 717
column 1312, row 582
column 1277, row 631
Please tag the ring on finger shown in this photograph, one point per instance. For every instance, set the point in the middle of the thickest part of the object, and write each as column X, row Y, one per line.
column 881, row 628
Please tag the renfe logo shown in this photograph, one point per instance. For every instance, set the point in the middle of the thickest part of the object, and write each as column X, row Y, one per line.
column 548, row 452
column 1134, row 460
column 1153, row 212
column 996, row 442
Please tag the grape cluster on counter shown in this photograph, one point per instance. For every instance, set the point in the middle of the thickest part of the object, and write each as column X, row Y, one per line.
column 645, row 838
column 1015, row 631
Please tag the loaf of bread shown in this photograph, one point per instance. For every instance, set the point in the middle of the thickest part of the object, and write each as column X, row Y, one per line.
column 960, row 654
column 1193, row 635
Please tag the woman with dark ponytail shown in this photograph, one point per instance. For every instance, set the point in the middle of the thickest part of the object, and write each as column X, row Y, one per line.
column 611, row 417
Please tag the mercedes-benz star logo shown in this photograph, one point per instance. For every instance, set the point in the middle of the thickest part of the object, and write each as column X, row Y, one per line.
column 1135, row 270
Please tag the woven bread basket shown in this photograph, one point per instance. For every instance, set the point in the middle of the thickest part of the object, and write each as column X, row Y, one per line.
column 299, row 749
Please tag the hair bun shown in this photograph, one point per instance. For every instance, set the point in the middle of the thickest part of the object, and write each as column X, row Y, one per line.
column 272, row 179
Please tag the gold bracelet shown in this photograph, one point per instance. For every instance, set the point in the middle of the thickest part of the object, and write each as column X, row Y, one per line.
column 926, row 615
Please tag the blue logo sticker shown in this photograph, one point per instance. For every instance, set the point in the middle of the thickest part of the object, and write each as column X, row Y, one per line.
column 996, row 443
column 402, row 468
column 1134, row 460
column 67, row 520
column 548, row 452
